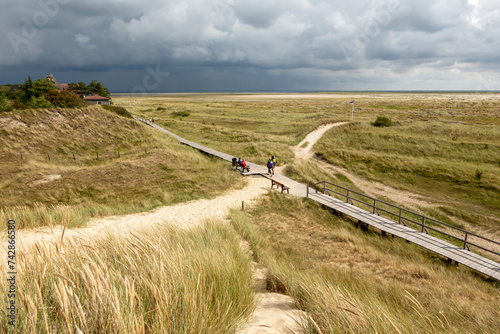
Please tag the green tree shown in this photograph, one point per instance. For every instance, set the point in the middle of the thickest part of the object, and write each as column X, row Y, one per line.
column 38, row 103
column 35, row 89
column 96, row 88
column 5, row 104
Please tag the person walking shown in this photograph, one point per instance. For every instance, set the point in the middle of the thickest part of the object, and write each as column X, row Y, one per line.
column 269, row 165
column 273, row 159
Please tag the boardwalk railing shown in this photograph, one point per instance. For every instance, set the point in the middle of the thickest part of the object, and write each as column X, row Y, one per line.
column 404, row 217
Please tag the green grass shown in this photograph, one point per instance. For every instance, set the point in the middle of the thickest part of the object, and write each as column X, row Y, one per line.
column 355, row 281
column 161, row 280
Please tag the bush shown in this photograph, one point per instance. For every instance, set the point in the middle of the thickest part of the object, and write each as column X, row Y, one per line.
column 383, row 121
column 64, row 99
column 181, row 114
column 117, row 110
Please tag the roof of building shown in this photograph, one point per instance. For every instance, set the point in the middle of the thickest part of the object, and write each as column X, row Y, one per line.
column 96, row 97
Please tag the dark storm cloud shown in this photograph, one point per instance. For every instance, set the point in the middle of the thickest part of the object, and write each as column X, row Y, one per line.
column 236, row 44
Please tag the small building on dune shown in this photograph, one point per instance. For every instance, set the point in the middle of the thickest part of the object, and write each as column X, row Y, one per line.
column 97, row 99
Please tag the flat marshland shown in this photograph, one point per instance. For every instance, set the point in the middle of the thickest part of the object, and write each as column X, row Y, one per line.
column 440, row 158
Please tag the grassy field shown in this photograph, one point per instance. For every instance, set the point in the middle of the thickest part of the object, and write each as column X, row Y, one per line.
column 442, row 146
column 355, row 281
column 162, row 280
column 66, row 166
column 253, row 129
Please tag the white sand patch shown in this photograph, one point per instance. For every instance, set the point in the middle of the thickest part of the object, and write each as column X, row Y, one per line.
column 47, row 179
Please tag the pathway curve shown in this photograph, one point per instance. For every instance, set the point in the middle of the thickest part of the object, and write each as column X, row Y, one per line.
column 182, row 215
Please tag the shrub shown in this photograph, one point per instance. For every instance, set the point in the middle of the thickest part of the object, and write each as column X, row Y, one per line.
column 64, row 99
column 161, row 108
column 181, row 114
column 382, row 121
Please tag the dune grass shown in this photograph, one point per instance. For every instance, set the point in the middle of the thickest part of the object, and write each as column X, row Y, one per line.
column 162, row 280
column 355, row 281
column 138, row 168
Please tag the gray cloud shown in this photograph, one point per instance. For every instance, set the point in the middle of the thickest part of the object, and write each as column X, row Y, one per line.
column 254, row 44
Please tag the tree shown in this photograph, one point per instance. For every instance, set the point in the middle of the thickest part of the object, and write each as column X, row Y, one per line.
column 35, row 89
column 5, row 104
column 38, row 103
column 96, row 88
column 93, row 88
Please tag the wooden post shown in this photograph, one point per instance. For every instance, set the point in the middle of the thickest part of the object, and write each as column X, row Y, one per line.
column 97, row 155
column 74, row 156
column 465, row 240
column 242, row 205
column 423, row 225
column 307, row 190
column 374, row 205
column 48, row 155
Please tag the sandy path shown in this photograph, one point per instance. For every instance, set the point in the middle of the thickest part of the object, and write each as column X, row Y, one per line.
column 373, row 189
column 306, row 152
column 182, row 215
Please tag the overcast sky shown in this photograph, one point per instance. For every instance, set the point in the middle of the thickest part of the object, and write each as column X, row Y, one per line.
column 249, row 45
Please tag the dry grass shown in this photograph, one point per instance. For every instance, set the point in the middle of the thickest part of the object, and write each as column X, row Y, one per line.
column 157, row 281
column 354, row 281
column 152, row 169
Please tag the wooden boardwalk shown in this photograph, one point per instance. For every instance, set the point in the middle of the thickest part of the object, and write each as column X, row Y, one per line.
column 441, row 247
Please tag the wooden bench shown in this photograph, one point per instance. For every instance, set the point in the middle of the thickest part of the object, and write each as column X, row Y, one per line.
column 243, row 169
column 279, row 184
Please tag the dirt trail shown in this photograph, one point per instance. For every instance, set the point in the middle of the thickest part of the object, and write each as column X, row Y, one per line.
column 311, row 139
column 182, row 215
column 374, row 189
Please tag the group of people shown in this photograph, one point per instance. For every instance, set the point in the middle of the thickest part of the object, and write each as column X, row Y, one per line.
column 242, row 164
column 271, row 164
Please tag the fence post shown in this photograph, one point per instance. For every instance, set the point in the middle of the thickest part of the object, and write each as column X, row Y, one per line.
column 48, row 155
column 324, row 187
column 347, row 197
column 97, row 153
column 400, row 213
column 307, row 190
column 74, row 157
column 423, row 225
column 374, row 205
column 465, row 240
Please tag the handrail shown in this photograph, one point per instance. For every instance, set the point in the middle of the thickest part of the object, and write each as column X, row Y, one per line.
column 400, row 218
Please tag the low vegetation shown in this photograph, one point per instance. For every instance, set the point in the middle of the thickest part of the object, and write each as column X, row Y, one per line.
column 164, row 280
column 236, row 124
column 355, row 281
column 64, row 166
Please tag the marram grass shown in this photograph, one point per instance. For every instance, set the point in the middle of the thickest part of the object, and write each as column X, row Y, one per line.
column 164, row 280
